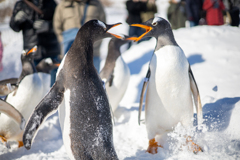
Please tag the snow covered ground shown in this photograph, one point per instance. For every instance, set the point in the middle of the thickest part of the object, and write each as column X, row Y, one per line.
column 214, row 55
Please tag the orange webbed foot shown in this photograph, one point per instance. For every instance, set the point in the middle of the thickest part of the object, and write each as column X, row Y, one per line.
column 3, row 139
column 20, row 144
column 153, row 146
column 193, row 146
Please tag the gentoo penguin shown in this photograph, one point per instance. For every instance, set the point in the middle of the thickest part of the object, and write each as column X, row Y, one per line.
column 171, row 85
column 115, row 73
column 27, row 95
column 85, row 117
column 46, row 65
column 44, row 68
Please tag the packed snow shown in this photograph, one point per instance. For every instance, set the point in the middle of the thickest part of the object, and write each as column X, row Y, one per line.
column 214, row 55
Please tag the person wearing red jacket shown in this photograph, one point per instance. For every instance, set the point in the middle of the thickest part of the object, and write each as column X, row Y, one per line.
column 214, row 8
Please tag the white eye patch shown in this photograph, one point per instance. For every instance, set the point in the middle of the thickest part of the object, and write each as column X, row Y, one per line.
column 157, row 19
column 48, row 61
column 102, row 24
column 24, row 52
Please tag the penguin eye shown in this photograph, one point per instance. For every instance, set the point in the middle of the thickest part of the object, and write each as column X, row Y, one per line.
column 154, row 24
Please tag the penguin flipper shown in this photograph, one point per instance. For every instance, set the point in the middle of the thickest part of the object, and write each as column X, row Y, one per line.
column 48, row 105
column 141, row 100
column 111, row 80
column 142, row 94
column 13, row 113
column 196, row 96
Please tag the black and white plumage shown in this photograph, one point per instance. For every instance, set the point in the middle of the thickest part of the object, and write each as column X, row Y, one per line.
column 27, row 94
column 44, row 68
column 84, row 114
column 115, row 73
column 171, row 85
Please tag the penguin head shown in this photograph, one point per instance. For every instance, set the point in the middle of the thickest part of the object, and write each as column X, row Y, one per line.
column 46, row 65
column 99, row 30
column 154, row 27
column 28, row 55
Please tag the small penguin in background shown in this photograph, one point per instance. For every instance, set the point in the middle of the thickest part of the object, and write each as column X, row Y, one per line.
column 115, row 73
column 170, row 88
column 85, row 117
column 27, row 94
column 44, row 68
column 46, row 65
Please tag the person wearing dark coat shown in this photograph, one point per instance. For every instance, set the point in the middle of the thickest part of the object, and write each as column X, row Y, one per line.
column 234, row 12
column 176, row 13
column 135, row 8
column 193, row 9
column 37, row 29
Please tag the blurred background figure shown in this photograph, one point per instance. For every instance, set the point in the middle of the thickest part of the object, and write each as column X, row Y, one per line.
column 149, row 12
column 1, row 53
column 70, row 15
column 232, row 7
column 193, row 10
column 135, row 8
column 34, row 19
column 177, row 13
column 214, row 11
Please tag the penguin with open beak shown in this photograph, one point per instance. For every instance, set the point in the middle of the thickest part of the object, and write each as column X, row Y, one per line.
column 171, row 85
column 84, row 116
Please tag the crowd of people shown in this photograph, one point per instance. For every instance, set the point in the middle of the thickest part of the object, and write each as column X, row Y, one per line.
column 53, row 27
column 203, row 12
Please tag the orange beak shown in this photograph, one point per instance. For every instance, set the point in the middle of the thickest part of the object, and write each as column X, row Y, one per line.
column 34, row 49
column 57, row 64
column 117, row 36
column 147, row 28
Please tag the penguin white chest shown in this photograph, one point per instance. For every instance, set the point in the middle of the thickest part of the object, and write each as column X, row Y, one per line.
column 65, row 123
column 28, row 95
column 120, row 83
column 168, row 98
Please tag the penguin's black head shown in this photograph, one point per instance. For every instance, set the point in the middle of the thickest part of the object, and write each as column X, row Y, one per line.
column 154, row 27
column 28, row 55
column 46, row 65
column 99, row 29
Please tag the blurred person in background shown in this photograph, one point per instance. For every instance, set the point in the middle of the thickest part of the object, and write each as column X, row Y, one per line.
column 1, row 53
column 70, row 15
column 214, row 11
column 149, row 11
column 177, row 13
column 193, row 10
column 135, row 8
column 34, row 19
column 232, row 7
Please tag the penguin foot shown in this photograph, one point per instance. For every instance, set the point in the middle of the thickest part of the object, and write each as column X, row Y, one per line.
column 20, row 144
column 3, row 139
column 193, row 146
column 153, row 146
